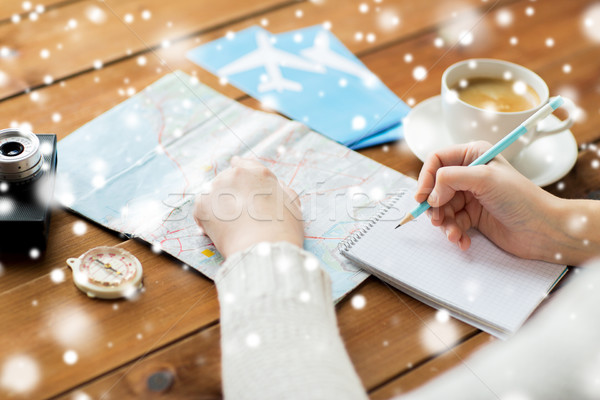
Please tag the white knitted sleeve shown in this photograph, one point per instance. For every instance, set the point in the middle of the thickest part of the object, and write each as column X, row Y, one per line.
column 279, row 337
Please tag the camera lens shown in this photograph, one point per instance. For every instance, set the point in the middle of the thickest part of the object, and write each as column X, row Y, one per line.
column 20, row 156
column 11, row 149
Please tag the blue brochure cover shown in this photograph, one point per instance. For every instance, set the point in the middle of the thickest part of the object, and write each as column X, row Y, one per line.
column 310, row 76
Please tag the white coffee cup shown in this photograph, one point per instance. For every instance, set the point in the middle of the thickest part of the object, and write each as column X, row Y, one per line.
column 466, row 123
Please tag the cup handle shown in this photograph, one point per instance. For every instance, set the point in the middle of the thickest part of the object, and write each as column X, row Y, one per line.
column 564, row 125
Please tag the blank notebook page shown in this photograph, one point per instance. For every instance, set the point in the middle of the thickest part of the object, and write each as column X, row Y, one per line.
column 484, row 283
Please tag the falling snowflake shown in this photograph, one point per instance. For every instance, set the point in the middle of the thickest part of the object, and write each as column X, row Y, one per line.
column 253, row 340
column 98, row 181
column 388, row 20
column 451, row 96
column 57, row 275
column 419, row 73
column 504, row 17
column 442, row 316
column 304, row 296
column 34, row 253
column 146, row 15
column 519, row 87
column 358, row 302
column 95, row 14
column 465, row 38
column 437, row 336
column 79, row 228
column 20, row 374
column 591, row 23
column 311, row 263
column 359, row 122
column 81, row 396
column 70, row 357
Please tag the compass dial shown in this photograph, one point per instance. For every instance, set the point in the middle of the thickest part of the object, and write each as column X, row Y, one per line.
column 106, row 272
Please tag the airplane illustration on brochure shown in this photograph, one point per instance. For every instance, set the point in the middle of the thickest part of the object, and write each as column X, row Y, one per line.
column 272, row 59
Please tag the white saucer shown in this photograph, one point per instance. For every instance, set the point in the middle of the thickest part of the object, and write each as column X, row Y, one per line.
column 544, row 161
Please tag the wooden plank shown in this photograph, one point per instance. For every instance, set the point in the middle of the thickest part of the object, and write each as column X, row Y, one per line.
column 14, row 11
column 388, row 335
column 114, row 39
column 70, row 236
column 393, row 332
column 49, row 316
column 71, row 39
column 429, row 370
column 193, row 364
column 82, row 106
column 72, row 103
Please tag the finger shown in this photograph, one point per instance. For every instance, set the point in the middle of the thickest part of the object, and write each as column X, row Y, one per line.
column 463, row 220
column 436, row 215
column 292, row 195
column 454, row 155
column 451, row 231
column 464, row 242
column 199, row 212
column 457, row 202
column 450, row 180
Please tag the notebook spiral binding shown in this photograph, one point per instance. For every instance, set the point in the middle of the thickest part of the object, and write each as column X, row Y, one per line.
column 346, row 244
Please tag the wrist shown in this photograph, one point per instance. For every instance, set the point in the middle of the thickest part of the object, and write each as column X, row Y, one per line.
column 243, row 241
column 576, row 233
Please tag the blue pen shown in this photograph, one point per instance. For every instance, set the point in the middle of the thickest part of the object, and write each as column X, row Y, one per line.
column 496, row 149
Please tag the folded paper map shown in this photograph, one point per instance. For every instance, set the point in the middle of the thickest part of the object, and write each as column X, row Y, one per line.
column 137, row 168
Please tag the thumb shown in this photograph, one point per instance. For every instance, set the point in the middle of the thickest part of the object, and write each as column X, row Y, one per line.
column 450, row 180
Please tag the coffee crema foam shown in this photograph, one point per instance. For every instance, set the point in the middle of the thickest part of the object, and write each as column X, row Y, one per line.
column 499, row 95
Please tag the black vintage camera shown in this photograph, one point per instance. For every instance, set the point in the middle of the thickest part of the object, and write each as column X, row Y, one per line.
column 27, row 171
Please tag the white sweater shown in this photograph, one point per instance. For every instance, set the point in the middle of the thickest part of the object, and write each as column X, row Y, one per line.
column 280, row 339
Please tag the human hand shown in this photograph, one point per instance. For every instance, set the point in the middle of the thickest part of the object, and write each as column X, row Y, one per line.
column 496, row 199
column 248, row 205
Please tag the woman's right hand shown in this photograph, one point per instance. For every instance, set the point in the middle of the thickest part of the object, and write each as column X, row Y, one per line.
column 496, row 199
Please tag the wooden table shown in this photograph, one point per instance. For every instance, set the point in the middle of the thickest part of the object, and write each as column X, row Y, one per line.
column 63, row 63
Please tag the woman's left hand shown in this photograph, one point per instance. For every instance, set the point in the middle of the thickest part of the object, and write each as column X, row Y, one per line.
column 246, row 205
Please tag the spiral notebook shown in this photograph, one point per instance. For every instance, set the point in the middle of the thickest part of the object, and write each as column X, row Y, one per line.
column 483, row 286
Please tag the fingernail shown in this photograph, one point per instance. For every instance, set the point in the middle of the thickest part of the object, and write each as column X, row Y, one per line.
column 433, row 198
